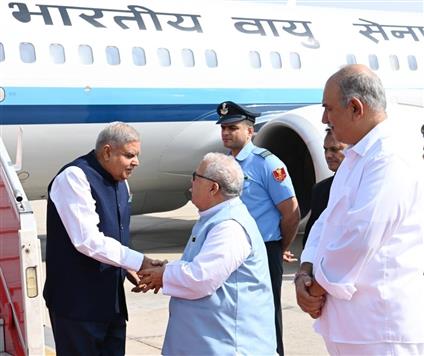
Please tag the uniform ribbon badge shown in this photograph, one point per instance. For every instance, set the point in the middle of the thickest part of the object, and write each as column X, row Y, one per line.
column 279, row 174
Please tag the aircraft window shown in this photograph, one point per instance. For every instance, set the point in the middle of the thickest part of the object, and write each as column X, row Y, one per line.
column 86, row 54
column 164, row 57
column 188, row 57
column 27, row 52
column 1, row 52
column 351, row 59
column 139, row 56
column 295, row 62
column 255, row 59
column 112, row 55
column 373, row 60
column 394, row 62
column 275, row 60
column 412, row 63
column 211, row 58
column 57, row 53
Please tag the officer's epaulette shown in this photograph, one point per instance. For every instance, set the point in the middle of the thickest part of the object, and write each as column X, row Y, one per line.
column 263, row 152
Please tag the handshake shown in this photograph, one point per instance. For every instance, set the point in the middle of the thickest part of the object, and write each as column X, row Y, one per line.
column 148, row 277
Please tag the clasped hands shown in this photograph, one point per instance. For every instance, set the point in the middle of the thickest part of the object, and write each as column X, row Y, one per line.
column 309, row 294
column 149, row 276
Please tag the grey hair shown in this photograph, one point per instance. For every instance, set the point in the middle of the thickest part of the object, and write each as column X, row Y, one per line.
column 365, row 86
column 226, row 171
column 117, row 133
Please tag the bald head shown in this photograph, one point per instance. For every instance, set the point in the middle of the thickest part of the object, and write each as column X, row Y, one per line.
column 354, row 102
column 358, row 81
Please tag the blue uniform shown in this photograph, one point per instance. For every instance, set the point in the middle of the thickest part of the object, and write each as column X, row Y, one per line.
column 267, row 184
column 263, row 189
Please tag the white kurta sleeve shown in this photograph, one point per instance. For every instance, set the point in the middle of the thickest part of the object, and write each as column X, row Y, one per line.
column 71, row 195
column 224, row 250
column 371, row 215
column 308, row 253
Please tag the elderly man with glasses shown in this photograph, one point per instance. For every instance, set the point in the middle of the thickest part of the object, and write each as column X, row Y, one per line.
column 221, row 297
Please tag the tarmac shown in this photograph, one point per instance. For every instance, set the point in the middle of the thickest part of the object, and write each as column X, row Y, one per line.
column 163, row 236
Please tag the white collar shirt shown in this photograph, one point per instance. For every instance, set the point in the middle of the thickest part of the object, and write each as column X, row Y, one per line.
column 71, row 195
column 367, row 248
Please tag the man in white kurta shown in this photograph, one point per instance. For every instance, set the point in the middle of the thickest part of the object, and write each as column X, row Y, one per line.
column 362, row 268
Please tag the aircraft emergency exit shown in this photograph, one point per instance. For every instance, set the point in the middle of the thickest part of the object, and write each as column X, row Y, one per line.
column 69, row 67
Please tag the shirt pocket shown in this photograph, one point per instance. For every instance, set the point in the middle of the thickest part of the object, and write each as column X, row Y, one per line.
column 247, row 184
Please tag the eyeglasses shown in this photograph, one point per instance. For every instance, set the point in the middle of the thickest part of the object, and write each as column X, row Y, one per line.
column 195, row 174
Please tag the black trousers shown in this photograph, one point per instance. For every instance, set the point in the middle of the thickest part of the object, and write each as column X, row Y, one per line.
column 91, row 338
column 275, row 263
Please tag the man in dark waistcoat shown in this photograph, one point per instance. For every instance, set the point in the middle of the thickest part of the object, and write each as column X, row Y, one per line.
column 87, row 258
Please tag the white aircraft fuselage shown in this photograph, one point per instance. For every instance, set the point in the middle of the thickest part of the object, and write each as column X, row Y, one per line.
column 69, row 67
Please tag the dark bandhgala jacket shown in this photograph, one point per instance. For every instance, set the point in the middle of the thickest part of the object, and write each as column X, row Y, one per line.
column 77, row 286
column 319, row 201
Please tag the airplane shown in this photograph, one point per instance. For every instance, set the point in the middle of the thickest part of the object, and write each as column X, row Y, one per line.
column 69, row 67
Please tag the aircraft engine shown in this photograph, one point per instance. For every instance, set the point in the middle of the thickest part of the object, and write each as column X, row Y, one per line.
column 296, row 137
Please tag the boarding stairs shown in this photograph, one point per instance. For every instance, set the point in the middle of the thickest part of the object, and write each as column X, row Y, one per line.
column 21, row 308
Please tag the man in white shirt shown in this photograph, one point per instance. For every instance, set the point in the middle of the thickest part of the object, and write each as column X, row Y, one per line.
column 88, row 215
column 222, row 302
column 362, row 269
